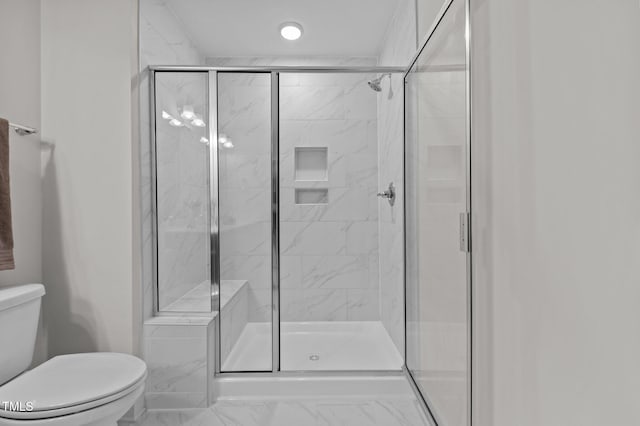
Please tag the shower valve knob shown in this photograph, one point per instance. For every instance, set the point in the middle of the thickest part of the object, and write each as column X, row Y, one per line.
column 389, row 194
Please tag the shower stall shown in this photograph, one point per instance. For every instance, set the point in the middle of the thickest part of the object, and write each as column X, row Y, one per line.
column 266, row 211
column 275, row 210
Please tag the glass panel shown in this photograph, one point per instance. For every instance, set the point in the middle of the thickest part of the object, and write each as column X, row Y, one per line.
column 330, row 307
column 182, row 193
column 437, row 327
column 244, row 122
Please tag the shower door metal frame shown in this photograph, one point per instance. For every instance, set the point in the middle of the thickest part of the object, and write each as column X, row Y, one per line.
column 275, row 221
column 213, row 131
column 214, row 209
column 423, row 399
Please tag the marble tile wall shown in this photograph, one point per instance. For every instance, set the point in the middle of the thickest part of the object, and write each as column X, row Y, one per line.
column 182, row 188
column 178, row 350
column 235, row 314
column 397, row 50
column 244, row 112
column 179, row 354
column 329, row 252
column 162, row 42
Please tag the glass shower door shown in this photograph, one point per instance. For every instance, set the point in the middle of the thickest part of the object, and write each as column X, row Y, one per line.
column 181, row 199
column 213, row 172
column 244, row 203
column 329, row 255
column 437, row 262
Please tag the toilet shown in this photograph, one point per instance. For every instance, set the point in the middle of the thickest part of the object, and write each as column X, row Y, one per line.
column 94, row 389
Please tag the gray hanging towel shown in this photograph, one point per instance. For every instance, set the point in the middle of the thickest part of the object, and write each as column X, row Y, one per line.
column 6, row 234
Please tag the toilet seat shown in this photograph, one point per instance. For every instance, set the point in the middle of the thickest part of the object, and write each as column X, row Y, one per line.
column 73, row 383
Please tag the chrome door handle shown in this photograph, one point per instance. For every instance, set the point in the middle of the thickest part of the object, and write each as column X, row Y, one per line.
column 389, row 194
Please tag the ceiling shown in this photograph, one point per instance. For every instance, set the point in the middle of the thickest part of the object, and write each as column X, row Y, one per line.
column 251, row 27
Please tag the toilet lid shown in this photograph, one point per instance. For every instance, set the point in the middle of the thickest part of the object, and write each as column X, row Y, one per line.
column 72, row 380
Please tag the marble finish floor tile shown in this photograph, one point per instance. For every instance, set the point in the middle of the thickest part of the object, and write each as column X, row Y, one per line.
column 318, row 412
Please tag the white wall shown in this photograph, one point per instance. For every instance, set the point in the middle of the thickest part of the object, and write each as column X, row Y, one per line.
column 556, row 212
column 20, row 103
column 88, row 54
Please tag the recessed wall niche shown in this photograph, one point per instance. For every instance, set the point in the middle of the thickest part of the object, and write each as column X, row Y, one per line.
column 312, row 196
column 311, row 164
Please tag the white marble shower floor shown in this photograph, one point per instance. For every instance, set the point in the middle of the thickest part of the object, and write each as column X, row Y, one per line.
column 319, row 345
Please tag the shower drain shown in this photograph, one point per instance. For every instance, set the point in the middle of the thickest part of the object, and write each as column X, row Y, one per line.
column 314, row 357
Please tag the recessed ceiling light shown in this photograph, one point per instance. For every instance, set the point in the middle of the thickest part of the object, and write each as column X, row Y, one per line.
column 291, row 30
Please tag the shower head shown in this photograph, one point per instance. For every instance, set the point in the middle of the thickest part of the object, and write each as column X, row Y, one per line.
column 376, row 83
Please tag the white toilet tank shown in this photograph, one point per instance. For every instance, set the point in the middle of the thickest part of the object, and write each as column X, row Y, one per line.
column 19, row 313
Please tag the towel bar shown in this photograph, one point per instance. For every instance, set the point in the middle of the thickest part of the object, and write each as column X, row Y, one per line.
column 23, row 130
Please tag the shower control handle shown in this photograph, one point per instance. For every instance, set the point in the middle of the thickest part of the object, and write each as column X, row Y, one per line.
column 389, row 194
